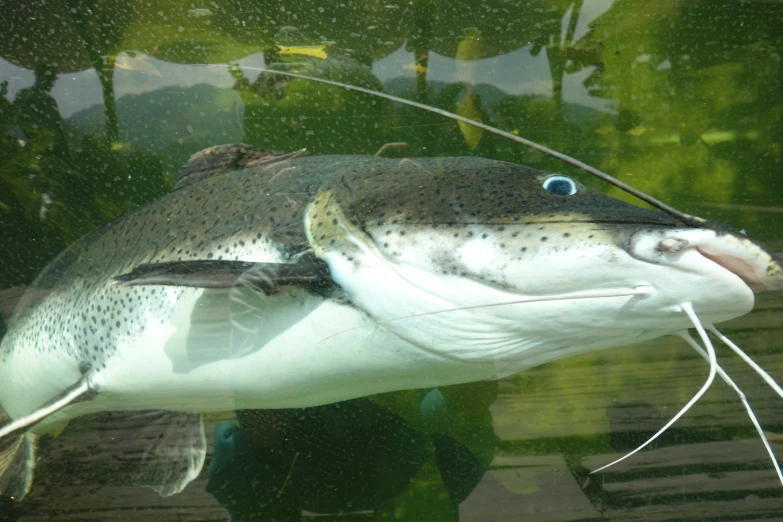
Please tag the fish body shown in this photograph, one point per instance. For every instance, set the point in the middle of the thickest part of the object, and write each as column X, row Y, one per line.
column 440, row 271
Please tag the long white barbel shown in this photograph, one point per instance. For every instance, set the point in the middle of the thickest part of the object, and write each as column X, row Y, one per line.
column 688, row 309
column 750, row 362
column 728, row 380
column 639, row 290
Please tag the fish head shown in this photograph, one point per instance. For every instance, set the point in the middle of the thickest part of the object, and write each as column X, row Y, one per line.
column 484, row 261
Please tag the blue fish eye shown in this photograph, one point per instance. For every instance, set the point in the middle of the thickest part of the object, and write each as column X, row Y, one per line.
column 560, row 185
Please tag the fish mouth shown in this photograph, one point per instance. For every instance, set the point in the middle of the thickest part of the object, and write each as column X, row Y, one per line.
column 751, row 262
column 739, row 267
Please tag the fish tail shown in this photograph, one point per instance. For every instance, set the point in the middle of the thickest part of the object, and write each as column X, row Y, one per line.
column 17, row 466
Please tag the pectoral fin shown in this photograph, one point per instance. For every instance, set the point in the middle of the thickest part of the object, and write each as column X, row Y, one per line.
column 243, row 307
column 223, row 159
column 227, row 274
column 261, row 303
column 165, row 450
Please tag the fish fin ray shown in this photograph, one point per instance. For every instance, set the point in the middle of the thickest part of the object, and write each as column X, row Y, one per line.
column 222, row 159
column 17, row 467
column 244, row 304
column 83, row 390
column 165, row 450
column 227, row 274
column 229, row 324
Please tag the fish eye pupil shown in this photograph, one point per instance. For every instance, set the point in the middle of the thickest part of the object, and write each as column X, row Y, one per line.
column 560, row 185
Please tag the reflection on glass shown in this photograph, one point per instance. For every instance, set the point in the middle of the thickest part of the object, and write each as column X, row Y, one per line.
column 103, row 102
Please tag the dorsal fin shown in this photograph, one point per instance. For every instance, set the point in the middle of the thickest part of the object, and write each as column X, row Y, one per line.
column 220, row 159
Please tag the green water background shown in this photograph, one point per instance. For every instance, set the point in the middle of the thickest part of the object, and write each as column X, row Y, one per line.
column 104, row 100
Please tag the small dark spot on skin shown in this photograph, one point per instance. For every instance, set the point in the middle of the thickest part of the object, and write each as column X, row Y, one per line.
column 590, row 236
column 523, row 249
column 483, row 236
column 543, row 238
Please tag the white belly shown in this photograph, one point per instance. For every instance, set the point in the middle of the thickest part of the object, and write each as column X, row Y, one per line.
column 330, row 352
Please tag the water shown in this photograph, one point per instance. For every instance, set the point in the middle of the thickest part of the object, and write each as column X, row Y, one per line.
column 101, row 106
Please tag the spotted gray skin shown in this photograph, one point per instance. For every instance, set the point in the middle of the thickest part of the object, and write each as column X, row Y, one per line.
column 232, row 217
column 261, row 214
column 489, row 199
column 474, row 197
